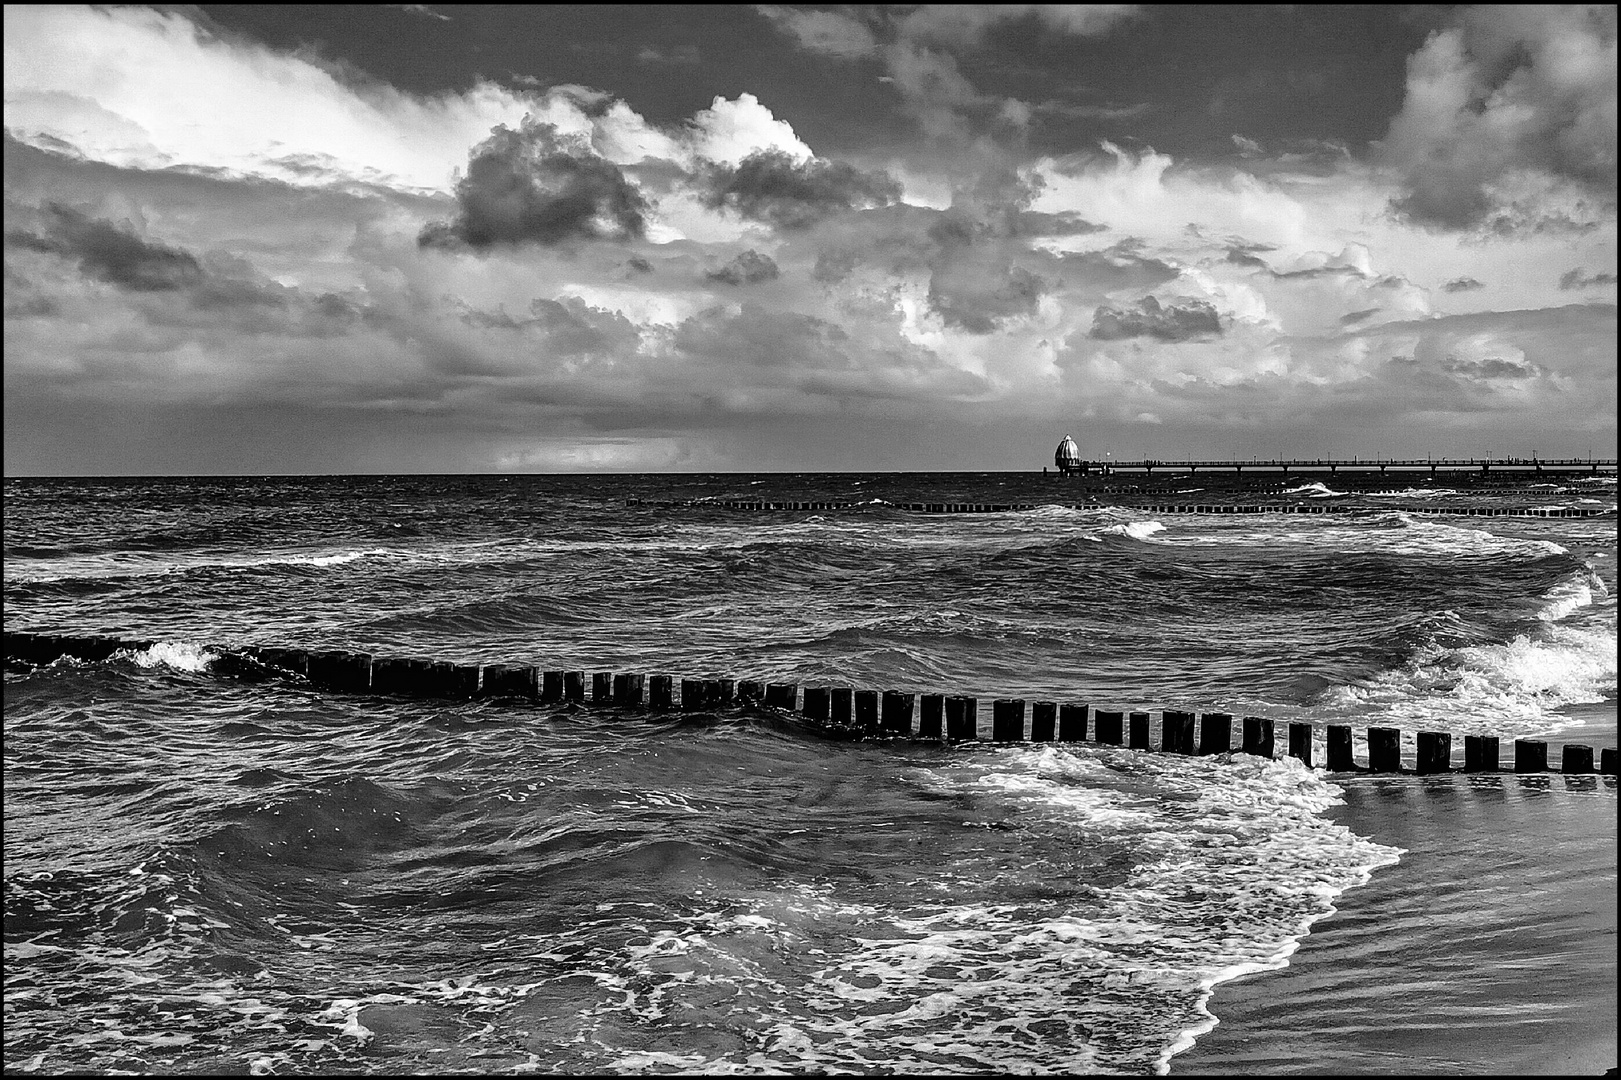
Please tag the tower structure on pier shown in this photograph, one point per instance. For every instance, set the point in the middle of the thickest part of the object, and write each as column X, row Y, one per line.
column 1068, row 457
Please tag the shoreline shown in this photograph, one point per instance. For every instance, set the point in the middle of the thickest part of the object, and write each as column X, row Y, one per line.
column 1489, row 948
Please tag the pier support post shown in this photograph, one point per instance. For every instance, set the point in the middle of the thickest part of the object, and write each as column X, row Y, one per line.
column 1300, row 743
column 1137, row 731
column 661, row 692
column 1072, row 723
column 1434, row 752
column 1176, row 732
column 1340, row 756
column 1530, row 756
column 962, row 718
column 897, row 715
column 1007, row 720
column 1258, row 736
column 931, row 710
column 1215, row 733
column 1576, row 758
column 1384, row 749
column 1480, row 753
column 815, row 707
column 1043, row 721
column 1107, row 723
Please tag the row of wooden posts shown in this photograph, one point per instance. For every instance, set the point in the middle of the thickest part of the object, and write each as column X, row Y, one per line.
column 845, row 711
column 1180, row 508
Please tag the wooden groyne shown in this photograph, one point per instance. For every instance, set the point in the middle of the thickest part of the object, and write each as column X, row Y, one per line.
column 1155, row 508
column 849, row 713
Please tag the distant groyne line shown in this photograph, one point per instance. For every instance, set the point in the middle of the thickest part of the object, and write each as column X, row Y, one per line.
column 1156, row 508
column 845, row 712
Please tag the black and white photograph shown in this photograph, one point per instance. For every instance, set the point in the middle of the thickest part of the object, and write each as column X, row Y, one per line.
column 810, row 540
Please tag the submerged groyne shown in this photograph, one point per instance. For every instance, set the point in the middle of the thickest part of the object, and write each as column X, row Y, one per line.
column 849, row 713
column 1147, row 508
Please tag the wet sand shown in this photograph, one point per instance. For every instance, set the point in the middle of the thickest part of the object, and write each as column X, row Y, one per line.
column 1489, row 949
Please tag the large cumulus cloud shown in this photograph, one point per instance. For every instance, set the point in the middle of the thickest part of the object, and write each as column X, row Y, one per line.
column 773, row 187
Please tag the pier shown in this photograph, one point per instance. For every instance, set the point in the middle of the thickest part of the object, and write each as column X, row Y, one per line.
column 848, row 713
column 1073, row 465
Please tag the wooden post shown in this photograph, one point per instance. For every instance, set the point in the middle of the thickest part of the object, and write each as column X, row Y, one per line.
column 333, row 670
column 1384, row 749
column 500, row 680
column 627, row 689
column 897, row 712
column 1258, row 736
column 962, row 718
column 1577, row 758
column 1215, row 733
column 867, row 710
column 930, row 712
column 1340, row 757
column 551, row 686
column 1530, row 756
column 1606, row 761
column 1072, row 723
column 660, row 693
column 1137, row 731
column 1300, row 743
column 841, row 702
column 749, row 690
column 1434, row 752
column 718, row 693
column 1007, row 720
column 1176, row 731
column 1043, row 721
column 1109, row 726
column 815, row 707
column 1480, row 753
column 602, row 687
column 574, row 685
column 692, row 694
column 392, row 675
column 781, row 695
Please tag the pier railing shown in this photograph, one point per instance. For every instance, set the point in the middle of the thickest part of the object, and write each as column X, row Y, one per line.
column 1333, row 465
column 848, row 713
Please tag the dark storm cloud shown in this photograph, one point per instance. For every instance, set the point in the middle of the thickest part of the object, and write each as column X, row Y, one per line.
column 1493, row 367
column 1240, row 257
column 772, row 187
column 531, row 186
column 749, row 268
column 1463, row 284
column 567, row 327
column 1576, row 279
column 110, row 254
column 1166, row 322
column 980, row 297
column 1357, row 316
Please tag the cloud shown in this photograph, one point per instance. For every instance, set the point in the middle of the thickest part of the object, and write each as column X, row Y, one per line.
column 772, row 187
column 965, row 25
column 1509, row 122
column 1463, row 284
column 830, row 33
column 729, row 131
column 749, row 268
column 1195, row 319
column 111, row 254
column 424, row 11
column 680, row 55
column 982, row 295
column 1576, row 279
column 532, row 185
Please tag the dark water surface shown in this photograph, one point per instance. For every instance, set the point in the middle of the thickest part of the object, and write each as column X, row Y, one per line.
column 206, row 871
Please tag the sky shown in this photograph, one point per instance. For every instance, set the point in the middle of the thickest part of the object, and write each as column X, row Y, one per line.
column 573, row 238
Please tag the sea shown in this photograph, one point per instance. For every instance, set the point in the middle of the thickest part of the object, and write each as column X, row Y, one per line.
column 213, row 869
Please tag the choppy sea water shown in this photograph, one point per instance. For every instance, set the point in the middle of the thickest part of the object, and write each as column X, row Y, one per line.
column 213, row 872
